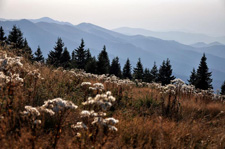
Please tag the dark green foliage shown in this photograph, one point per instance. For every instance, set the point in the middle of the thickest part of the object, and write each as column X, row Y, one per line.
column 2, row 34
column 115, row 68
column 193, row 78
column 165, row 73
column 27, row 50
column 103, row 62
column 203, row 75
column 15, row 38
column 54, row 57
column 65, row 59
column 222, row 92
column 154, row 73
column 147, row 77
column 127, row 70
column 138, row 71
column 91, row 66
column 38, row 55
column 80, row 56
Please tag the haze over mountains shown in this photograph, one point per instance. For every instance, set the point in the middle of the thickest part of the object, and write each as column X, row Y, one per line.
column 45, row 31
column 182, row 37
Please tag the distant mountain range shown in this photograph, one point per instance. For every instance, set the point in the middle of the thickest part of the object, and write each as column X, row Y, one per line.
column 182, row 37
column 44, row 32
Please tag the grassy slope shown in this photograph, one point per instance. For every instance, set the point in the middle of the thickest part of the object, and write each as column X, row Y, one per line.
column 142, row 122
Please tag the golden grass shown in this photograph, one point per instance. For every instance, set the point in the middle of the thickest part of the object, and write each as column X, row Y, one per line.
column 142, row 123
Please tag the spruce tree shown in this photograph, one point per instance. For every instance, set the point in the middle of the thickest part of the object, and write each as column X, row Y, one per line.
column 80, row 56
column 91, row 66
column 154, row 73
column 147, row 77
column 193, row 77
column 15, row 38
column 27, row 50
column 38, row 55
column 127, row 70
column 2, row 34
column 54, row 57
column 138, row 70
column 65, row 59
column 222, row 92
column 103, row 62
column 115, row 68
column 203, row 75
column 165, row 73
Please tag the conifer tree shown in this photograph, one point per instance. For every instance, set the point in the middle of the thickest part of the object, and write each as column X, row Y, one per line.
column 27, row 50
column 165, row 73
column 91, row 66
column 54, row 57
column 115, row 68
column 222, row 92
column 138, row 70
column 203, row 75
column 193, row 78
column 127, row 70
column 147, row 77
column 65, row 59
column 15, row 38
column 80, row 56
column 2, row 34
column 38, row 55
column 154, row 73
column 103, row 62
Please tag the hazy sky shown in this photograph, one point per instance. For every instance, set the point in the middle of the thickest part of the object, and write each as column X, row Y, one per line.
column 203, row 16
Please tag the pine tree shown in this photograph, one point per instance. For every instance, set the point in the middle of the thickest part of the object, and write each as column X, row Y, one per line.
column 154, row 73
column 127, row 70
column 203, row 76
column 80, row 56
column 103, row 62
column 2, row 34
column 38, row 55
column 27, row 50
column 91, row 66
column 222, row 92
column 138, row 71
column 193, row 77
column 115, row 68
column 147, row 77
column 65, row 59
column 54, row 57
column 165, row 73
column 15, row 38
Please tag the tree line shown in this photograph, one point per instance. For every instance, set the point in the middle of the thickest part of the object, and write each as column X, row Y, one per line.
column 81, row 58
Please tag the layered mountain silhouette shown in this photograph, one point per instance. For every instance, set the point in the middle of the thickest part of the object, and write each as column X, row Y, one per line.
column 182, row 37
column 149, row 49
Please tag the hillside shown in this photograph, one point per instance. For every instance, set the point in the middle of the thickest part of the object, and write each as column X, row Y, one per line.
column 183, row 58
column 44, row 107
column 182, row 37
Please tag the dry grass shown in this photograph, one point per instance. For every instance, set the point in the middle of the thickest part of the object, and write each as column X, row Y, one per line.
column 142, row 122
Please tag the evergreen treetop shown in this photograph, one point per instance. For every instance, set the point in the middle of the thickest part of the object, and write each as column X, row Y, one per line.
column 115, row 68
column 154, row 73
column 165, row 73
column 54, row 57
column 80, row 55
column 138, row 70
column 103, row 62
column 203, row 75
column 15, row 38
column 2, row 34
column 38, row 55
column 193, row 77
column 127, row 70
column 65, row 59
